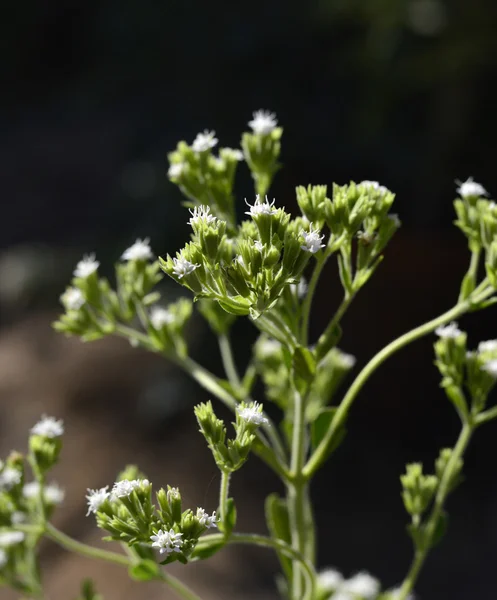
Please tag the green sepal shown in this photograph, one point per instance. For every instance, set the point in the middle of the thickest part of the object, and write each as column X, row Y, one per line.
column 145, row 570
column 278, row 522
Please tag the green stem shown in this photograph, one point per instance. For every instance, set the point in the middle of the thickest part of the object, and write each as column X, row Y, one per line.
column 131, row 334
column 436, row 512
column 297, row 491
column 341, row 414
column 326, row 340
column 228, row 361
column 273, row 324
column 223, row 495
column 275, row 544
column 486, row 416
column 119, row 559
column 306, row 305
column 472, row 272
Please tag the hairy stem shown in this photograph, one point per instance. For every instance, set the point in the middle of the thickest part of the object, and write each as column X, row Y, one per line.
column 223, row 495
column 228, row 361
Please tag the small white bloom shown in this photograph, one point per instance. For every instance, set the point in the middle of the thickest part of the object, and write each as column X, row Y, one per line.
column 258, row 245
column 48, row 427
column 167, row 541
column 268, row 346
column 491, row 367
column 176, row 170
column 252, row 414
column 31, row 490
column 182, row 267
column 140, row 250
column 450, row 331
column 54, row 494
column 330, row 579
column 124, row 488
column 374, row 185
column 470, row 188
column 347, row 360
column 18, row 517
column 9, row 538
column 204, row 141
column 86, row 266
column 260, row 208
column 173, row 494
column 362, row 584
column 488, row 346
column 219, row 162
column 160, row 316
column 342, row 595
column 206, row 519
column 201, row 214
column 3, row 558
column 233, row 153
column 96, row 498
column 312, row 240
column 9, row 478
column 263, row 123
column 73, row 298
column 395, row 593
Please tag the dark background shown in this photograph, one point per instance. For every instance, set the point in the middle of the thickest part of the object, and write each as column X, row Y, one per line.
column 96, row 94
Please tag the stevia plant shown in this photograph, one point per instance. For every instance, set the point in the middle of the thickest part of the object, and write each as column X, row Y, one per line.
column 255, row 269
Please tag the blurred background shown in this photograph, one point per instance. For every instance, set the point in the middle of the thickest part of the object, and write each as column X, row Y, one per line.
column 96, row 94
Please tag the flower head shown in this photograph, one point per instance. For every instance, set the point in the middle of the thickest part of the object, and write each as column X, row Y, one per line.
column 9, row 477
column 450, row 331
column 31, row 490
column 260, row 208
column 182, row 267
column 201, row 214
column 9, row 538
column 48, row 427
column 206, row 519
column 258, row 245
column 330, row 579
column 233, row 153
column 176, row 170
column 160, row 316
column 18, row 517
column 488, row 346
column 205, row 141
column 167, row 541
column 263, row 123
column 363, row 585
column 73, row 298
column 373, row 185
column 470, row 188
column 140, row 250
column 252, row 414
column 96, row 498
column 312, row 240
column 54, row 494
column 347, row 360
column 490, row 367
column 268, row 346
column 86, row 266
column 124, row 488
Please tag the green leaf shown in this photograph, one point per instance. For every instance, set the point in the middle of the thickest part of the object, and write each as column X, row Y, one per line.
column 229, row 522
column 207, row 550
column 278, row 523
column 304, row 365
column 440, row 529
column 467, row 287
column 320, row 427
column 145, row 570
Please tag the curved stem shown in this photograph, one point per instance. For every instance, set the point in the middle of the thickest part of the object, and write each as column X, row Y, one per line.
column 306, row 305
column 438, row 505
column 119, row 559
column 275, row 544
column 319, row 455
column 228, row 361
column 326, row 340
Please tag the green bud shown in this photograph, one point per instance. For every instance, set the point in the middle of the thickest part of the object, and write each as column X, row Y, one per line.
column 418, row 489
column 312, row 202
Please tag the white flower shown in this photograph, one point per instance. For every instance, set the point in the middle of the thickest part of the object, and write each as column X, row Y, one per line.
column 18, row 517
column 173, row 494
column 9, row 538
column 86, row 266
column 491, row 368
column 48, row 427
column 260, row 208
column 160, row 316
column 488, row 346
column 96, row 498
column 470, row 188
column 312, row 240
column 268, row 346
column 374, row 185
column 201, row 214
column 167, row 541
column 347, row 360
column 330, row 579
column 122, row 489
column 263, row 123
column 206, row 519
column 252, row 414
column 362, row 584
column 233, row 153
column 176, row 170
column 31, row 490
column 73, row 298
column 182, row 267
column 205, row 141
column 395, row 593
column 9, row 478
column 140, row 250
column 3, row 558
column 448, row 331
column 258, row 245
column 341, row 595
column 53, row 493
